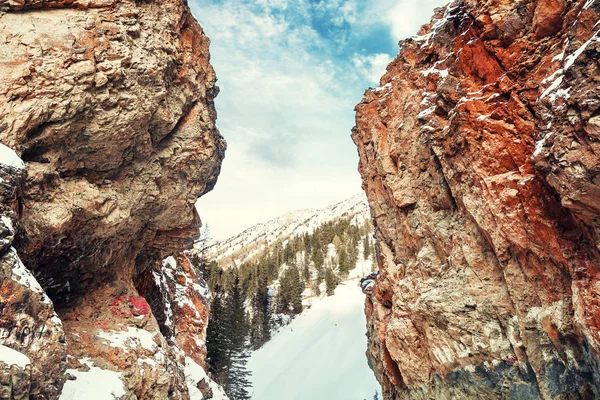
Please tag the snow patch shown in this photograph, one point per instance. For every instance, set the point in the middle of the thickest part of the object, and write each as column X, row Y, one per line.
column 22, row 275
column 9, row 356
column 7, row 222
column 133, row 338
column 194, row 374
column 557, row 78
column 425, row 113
column 95, row 384
column 325, row 344
column 9, row 158
column 387, row 86
column 539, row 145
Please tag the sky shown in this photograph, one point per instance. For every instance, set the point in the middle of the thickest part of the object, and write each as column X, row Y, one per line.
column 290, row 74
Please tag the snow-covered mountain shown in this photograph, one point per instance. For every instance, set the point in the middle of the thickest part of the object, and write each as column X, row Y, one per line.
column 253, row 240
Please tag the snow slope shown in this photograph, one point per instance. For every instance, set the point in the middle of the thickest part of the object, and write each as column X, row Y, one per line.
column 293, row 223
column 320, row 355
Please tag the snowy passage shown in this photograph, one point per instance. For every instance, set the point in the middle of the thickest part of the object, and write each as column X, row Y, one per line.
column 319, row 355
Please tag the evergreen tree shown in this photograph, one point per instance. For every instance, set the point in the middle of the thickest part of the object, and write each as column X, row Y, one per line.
column 290, row 291
column 318, row 257
column 216, row 341
column 376, row 397
column 227, row 342
column 337, row 242
column 330, row 281
column 237, row 383
column 343, row 262
column 201, row 245
column 366, row 247
column 260, row 329
column 306, row 273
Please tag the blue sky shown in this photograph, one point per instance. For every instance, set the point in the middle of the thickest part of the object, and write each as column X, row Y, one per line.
column 290, row 74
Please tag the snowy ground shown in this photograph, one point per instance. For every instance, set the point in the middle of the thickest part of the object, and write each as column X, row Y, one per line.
column 321, row 354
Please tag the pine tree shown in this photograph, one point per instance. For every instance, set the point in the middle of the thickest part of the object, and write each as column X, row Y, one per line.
column 290, row 291
column 260, row 329
column 202, row 245
column 318, row 257
column 216, row 341
column 227, row 342
column 376, row 397
column 330, row 281
column 343, row 262
column 366, row 247
column 306, row 274
column 237, row 383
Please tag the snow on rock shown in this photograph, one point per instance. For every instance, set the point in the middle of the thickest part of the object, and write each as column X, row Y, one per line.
column 94, row 384
column 194, row 374
column 9, row 158
column 9, row 356
column 22, row 275
column 131, row 338
column 552, row 91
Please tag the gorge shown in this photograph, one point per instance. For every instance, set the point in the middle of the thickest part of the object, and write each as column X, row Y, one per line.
column 479, row 155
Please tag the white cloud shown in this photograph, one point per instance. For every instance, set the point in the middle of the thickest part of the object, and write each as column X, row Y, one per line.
column 286, row 102
column 403, row 17
column 372, row 66
column 285, row 114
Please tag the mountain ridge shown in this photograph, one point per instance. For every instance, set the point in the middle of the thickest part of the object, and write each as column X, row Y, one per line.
column 281, row 228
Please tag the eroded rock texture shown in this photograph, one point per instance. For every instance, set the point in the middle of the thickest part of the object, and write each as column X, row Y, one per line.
column 110, row 106
column 480, row 156
column 28, row 323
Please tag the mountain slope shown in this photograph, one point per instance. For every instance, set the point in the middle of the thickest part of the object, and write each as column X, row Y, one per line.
column 254, row 239
column 321, row 353
column 298, row 276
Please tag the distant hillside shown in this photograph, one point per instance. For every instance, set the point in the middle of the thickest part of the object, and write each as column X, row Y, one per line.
column 242, row 247
column 272, row 272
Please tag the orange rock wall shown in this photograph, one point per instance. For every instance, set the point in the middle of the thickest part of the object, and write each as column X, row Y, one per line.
column 479, row 155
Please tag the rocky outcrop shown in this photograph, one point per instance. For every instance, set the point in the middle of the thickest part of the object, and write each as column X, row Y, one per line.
column 111, row 107
column 28, row 323
column 479, row 155
column 180, row 299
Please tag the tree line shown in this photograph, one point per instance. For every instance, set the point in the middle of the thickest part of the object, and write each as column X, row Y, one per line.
column 250, row 298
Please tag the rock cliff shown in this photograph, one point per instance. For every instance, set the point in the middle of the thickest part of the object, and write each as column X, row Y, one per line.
column 110, row 104
column 480, row 157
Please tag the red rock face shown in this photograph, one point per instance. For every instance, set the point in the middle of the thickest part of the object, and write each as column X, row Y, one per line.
column 479, row 154
column 111, row 106
column 181, row 300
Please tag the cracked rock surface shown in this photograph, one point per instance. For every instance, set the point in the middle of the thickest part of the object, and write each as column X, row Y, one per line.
column 110, row 104
column 480, row 157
